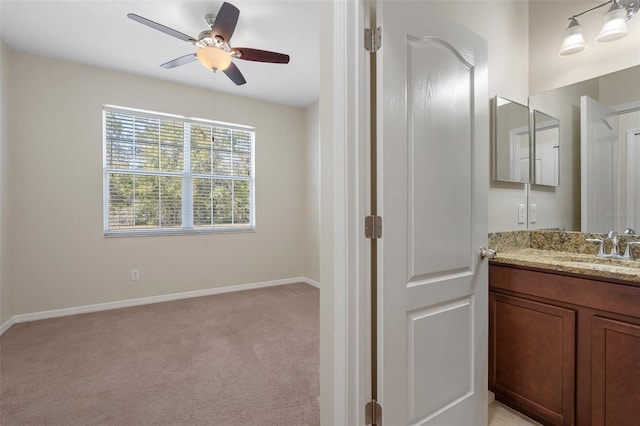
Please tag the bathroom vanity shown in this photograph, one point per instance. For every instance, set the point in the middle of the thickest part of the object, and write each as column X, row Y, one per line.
column 564, row 338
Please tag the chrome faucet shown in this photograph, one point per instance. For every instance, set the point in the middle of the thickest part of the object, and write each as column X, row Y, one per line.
column 615, row 247
column 615, row 250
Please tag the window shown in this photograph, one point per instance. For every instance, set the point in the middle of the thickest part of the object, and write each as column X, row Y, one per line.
column 165, row 173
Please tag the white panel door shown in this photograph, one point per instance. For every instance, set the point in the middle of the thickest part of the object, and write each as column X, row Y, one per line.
column 433, row 177
column 599, row 167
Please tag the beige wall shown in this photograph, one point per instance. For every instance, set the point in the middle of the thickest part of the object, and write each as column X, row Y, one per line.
column 547, row 25
column 312, row 191
column 505, row 25
column 620, row 88
column 61, row 258
column 6, row 299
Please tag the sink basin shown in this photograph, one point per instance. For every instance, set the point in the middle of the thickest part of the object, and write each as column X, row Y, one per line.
column 615, row 266
column 591, row 259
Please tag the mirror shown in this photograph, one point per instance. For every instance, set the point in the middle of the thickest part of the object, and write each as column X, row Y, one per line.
column 511, row 141
column 546, row 149
column 564, row 207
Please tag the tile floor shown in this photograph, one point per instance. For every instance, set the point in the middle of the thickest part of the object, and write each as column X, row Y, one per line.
column 501, row 415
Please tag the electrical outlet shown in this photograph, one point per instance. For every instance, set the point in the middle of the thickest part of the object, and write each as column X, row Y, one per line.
column 522, row 213
column 533, row 213
column 135, row 274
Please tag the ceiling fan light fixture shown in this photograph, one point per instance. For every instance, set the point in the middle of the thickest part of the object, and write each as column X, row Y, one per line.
column 614, row 26
column 214, row 58
column 214, row 51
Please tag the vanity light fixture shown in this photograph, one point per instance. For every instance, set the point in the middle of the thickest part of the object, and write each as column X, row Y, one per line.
column 614, row 26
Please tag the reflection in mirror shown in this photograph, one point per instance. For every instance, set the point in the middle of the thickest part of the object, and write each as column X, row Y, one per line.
column 564, row 207
column 611, row 176
column 599, row 166
column 511, row 141
column 546, row 149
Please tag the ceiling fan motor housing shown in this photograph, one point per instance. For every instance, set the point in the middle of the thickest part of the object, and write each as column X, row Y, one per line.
column 205, row 40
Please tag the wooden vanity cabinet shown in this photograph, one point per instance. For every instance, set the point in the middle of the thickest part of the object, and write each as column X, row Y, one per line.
column 533, row 356
column 615, row 379
column 564, row 350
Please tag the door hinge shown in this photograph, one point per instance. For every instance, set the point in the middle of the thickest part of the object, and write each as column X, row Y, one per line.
column 372, row 39
column 373, row 227
column 373, row 413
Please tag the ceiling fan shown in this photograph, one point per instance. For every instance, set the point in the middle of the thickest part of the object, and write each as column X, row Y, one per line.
column 215, row 52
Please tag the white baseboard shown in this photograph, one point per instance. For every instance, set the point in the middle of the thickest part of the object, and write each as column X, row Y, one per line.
column 55, row 313
column 7, row 325
column 309, row 281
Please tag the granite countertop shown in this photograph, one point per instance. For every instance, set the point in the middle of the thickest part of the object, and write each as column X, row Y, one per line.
column 575, row 263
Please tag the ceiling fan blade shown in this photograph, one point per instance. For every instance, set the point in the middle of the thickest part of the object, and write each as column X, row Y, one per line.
column 182, row 60
column 225, row 22
column 162, row 28
column 234, row 74
column 261, row 55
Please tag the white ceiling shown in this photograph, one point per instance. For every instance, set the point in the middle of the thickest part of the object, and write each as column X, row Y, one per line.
column 99, row 33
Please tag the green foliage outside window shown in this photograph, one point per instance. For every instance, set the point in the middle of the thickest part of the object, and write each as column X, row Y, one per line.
column 145, row 171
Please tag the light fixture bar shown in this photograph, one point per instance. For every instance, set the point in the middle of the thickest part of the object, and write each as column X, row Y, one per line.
column 631, row 6
column 592, row 9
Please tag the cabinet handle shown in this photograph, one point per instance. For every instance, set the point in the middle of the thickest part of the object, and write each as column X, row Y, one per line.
column 486, row 253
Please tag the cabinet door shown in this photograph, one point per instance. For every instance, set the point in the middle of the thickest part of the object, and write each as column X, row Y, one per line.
column 615, row 372
column 532, row 357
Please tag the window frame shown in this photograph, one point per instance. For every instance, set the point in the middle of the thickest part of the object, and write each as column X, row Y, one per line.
column 186, row 176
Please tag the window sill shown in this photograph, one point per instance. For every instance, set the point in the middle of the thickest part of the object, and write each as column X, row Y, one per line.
column 165, row 232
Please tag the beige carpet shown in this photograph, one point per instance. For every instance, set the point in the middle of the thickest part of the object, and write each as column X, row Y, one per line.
column 243, row 358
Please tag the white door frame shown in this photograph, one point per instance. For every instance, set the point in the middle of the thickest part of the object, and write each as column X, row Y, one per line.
column 344, row 255
column 632, row 181
column 344, row 258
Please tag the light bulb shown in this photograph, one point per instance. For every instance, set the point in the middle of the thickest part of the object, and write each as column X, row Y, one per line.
column 214, row 58
column 614, row 26
column 573, row 40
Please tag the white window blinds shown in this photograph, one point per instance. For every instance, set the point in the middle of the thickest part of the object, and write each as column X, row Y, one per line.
column 166, row 174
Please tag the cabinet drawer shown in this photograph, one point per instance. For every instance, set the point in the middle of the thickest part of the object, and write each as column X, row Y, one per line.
column 604, row 296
